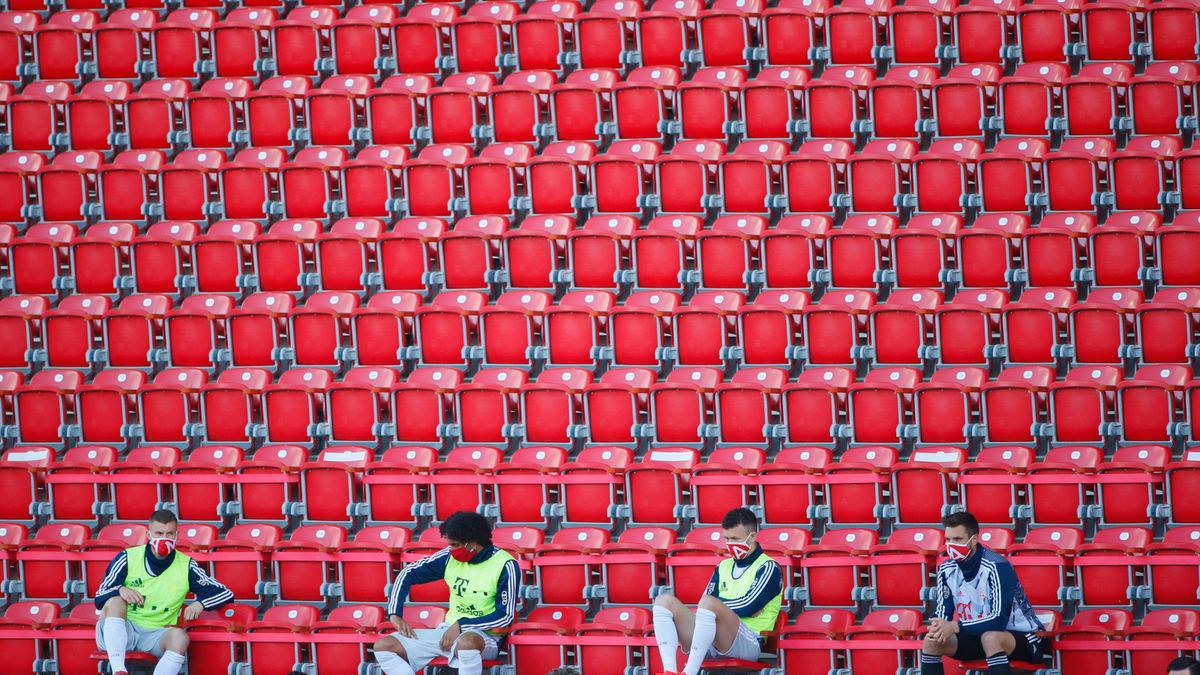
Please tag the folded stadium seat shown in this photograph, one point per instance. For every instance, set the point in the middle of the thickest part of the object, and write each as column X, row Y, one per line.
column 616, row 406
column 248, row 183
column 433, row 180
column 966, row 328
column 792, row 32
column 1174, row 246
column 1042, row 562
column 567, row 569
column 299, row 42
column 798, row 652
column 511, row 330
column 637, row 330
column 346, row 254
column 12, row 535
column 423, row 404
column 1121, row 250
column 1171, row 572
column 854, row 253
column 856, row 33
column 306, row 184
column 540, row 35
column 331, row 486
column 1007, row 176
column 899, row 327
column 725, row 480
column 858, row 483
column 786, row 546
column 383, row 329
column 74, row 638
column 65, row 187
column 161, row 258
column 292, row 407
column 685, row 178
column 396, row 486
column 534, row 252
column 181, row 43
column 448, row 329
column 551, row 407
column 333, row 111
column 835, row 327
column 273, row 643
column 242, row 40
column 1033, row 326
column 948, row 405
column 1138, row 176
column 840, row 96
column 208, row 500
column 748, row 406
column 482, row 39
column 28, row 624
column 993, row 485
column 963, row 98
column 104, row 407
column 982, row 32
column 1110, row 31
column 22, row 475
column 1160, row 624
column 748, row 178
column 1147, row 404
column 77, row 498
column 1101, row 326
column 666, row 34
column 272, row 109
column 605, row 34
column 188, row 187
column 899, row 103
column 401, row 100
column 455, row 484
column 36, row 115
column 137, row 490
column 67, row 35
column 791, row 250
column 487, row 408
column 44, row 407
column 1163, row 324
column 768, row 328
column 1092, row 99
column 987, row 251
column 320, row 329
column 1170, row 29
column 1076, row 644
column 1016, row 402
column 96, row 553
column 134, row 335
column 557, row 185
column 367, row 564
column 70, row 330
column 215, row 115
column 407, row 254
column 46, row 562
column 257, row 330
column 493, row 180
column 519, row 107
column 881, row 406
column 593, row 485
column 1109, row 567
column 369, row 181
column 1046, row 31
column 124, row 186
column 343, row 625
column 94, row 115
column 1187, row 179
column 664, row 252
column 815, row 404
column 16, row 38
column 18, row 189
column 526, row 485
column 903, row 571
column 21, row 318
column 619, row 177
column 424, row 32
column 664, row 471
column 357, row 406
column 772, row 104
column 727, row 254
column 929, row 471
column 361, row 41
column 727, row 33
column 612, row 639
column 633, row 567
column 1192, row 409
column 458, row 109
column 1055, row 252
column 706, row 105
column 1056, row 494
column 690, row 563
column 580, row 107
column 1030, row 100
column 242, row 558
column 304, row 565
column 836, row 567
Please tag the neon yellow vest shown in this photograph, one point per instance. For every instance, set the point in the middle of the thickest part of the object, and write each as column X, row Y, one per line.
column 731, row 588
column 164, row 593
column 473, row 587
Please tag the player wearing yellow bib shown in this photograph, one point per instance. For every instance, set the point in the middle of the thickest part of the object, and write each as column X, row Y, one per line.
column 484, row 586
column 741, row 603
column 142, row 595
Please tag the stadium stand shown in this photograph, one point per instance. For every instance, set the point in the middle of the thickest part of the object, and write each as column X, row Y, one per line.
column 317, row 274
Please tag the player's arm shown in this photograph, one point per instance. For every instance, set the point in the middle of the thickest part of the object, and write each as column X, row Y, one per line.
column 114, row 578
column 768, row 582
column 211, row 593
column 945, row 598
column 429, row 568
column 1000, row 583
column 508, row 588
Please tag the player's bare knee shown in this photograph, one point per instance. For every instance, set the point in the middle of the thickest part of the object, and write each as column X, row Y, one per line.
column 470, row 641
column 175, row 640
column 390, row 644
column 996, row 641
column 710, row 603
column 665, row 599
column 932, row 647
column 114, row 607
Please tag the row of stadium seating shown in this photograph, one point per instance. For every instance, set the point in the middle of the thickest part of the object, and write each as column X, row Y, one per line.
column 817, row 642
column 257, row 39
column 603, row 485
column 651, row 103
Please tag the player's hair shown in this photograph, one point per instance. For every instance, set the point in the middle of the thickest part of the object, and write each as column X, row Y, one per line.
column 164, row 516
column 964, row 519
column 467, row 527
column 1187, row 664
column 740, row 516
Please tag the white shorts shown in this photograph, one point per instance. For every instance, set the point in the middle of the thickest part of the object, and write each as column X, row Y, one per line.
column 139, row 639
column 421, row 652
column 745, row 647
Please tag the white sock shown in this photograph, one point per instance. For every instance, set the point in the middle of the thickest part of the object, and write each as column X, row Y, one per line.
column 392, row 664
column 470, row 662
column 667, row 637
column 702, row 639
column 170, row 664
column 116, row 639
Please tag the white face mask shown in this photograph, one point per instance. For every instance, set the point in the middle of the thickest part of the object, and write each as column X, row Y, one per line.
column 739, row 549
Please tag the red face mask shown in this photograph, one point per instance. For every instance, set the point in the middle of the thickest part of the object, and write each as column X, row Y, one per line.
column 462, row 554
column 162, row 547
column 958, row 551
column 738, row 549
